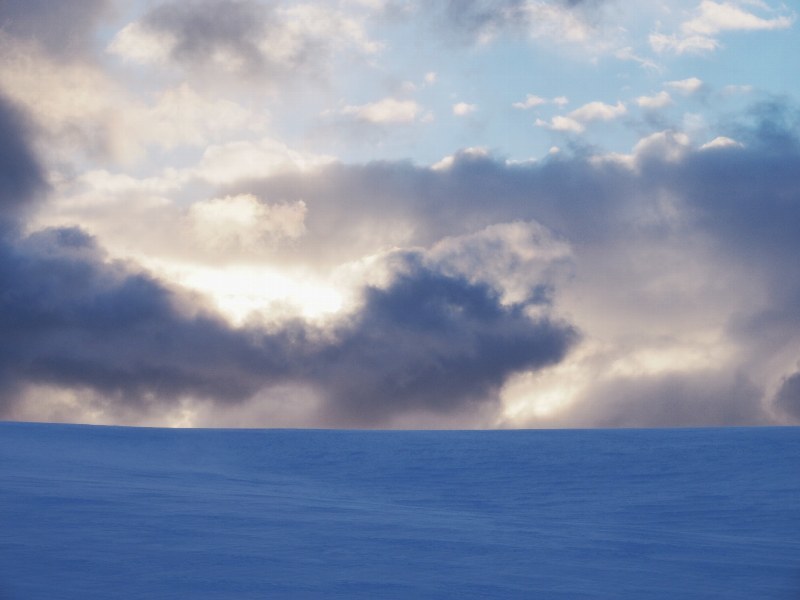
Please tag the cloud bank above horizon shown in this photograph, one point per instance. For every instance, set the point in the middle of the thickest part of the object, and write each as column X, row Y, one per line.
column 386, row 213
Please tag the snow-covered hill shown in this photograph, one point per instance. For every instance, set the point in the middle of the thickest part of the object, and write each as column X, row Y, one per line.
column 96, row 513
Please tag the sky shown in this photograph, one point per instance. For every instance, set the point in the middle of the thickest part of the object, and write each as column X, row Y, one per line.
column 400, row 214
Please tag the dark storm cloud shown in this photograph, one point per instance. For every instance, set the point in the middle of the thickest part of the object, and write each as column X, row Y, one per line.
column 63, row 28
column 427, row 342
column 69, row 318
column 749, row 198
column 21, row 177
column 355, row 209
column 431, row 342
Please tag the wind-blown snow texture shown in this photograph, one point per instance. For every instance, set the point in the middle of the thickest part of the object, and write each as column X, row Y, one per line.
column 107, row 512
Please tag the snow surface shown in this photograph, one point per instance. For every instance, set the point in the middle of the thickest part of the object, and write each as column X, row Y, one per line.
column 107, row 512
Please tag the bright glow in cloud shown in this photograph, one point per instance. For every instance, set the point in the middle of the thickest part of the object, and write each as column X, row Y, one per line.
column 255, row 292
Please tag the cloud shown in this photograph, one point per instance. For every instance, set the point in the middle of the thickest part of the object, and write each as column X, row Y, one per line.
column 81, row 110
column 787, row 399
column 721, row 141
column 181, row 116
column 598, row 111
column 78, row 322
column 659, row 100
column 462, row 109
column 242, row 38
column 428, row 341
column 709, row 399
column 473, row 261
column 699, row 234
column 431, row 342
column 560, row 22
column 242, row 222
column 714, row 17
column 531, row 101
column 686, row 86
column 232, row 161
column 129, row 348
column 576, row 120
column 387, row 110
column 690, row 44
column 21, row 176
column 561, row 123
column 71, row 318
column 64, row 29
column 698, row 34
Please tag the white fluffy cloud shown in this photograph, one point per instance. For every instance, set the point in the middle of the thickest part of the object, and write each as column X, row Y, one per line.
column 699, row 33
column 713, row 17
column 387, row 110
column 659, row 100
column 686, row 86
column 462, row 109
column 576, row 120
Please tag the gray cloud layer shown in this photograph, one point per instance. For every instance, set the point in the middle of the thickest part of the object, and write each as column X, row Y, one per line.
column 63, row 28
column 205, row 27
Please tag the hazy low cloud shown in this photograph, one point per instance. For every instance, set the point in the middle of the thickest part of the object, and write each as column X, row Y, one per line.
column 705, row 399
column 787, row 399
